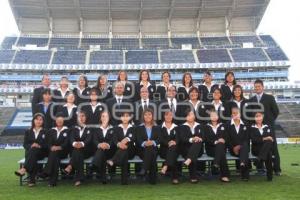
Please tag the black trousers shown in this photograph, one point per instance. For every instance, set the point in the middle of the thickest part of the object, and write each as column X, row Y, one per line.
column 77, row 162
column 244, row 158
column 219, row 154
column 31, row 157
column 170, row 154
column 193, row 152
column 275, row 152
column 264, row 153
column 149, row 156
column 53, row 163
column 100, row 158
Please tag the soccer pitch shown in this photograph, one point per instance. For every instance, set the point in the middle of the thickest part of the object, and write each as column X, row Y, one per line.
column 285, row 187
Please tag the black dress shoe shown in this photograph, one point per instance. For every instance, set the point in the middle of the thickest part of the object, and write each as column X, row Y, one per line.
column 42, row 175
column 18, row 173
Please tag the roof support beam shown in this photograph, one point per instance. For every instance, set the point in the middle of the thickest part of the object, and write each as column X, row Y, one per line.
column 171, row 10
column 109, row 21
column 230, row 14
column 49, row 16
column 79, row 15
column 140, row 17
column 199, row 16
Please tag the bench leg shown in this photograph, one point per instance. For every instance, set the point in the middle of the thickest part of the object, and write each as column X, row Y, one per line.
column 21, row 178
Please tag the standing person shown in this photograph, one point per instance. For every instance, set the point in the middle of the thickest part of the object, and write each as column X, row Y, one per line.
column 215, row 144
column 190, row 141
column 263, row 141
column 128, row 86
column 37, row 92
column 59, row 95
column 35, row 148
column 187, row 84
column 82, row 91
column 69, row 111
column 103, row 88
column 206, row 89
column 169, row 146
column 144, row 81
column 271, row 111
column 147, row 141
column 162, row 89
column 227, row 87
column 80, row 140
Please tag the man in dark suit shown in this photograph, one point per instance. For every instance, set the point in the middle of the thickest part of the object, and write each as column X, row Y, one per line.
column 118, row 103
column 37, row 92
column 268, row 104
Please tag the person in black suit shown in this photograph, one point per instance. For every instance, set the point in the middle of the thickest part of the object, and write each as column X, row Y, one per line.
column 169, row 146
column 93, row 109
column 103, row 140
column 187, row 84
column 69, row 111
column 147, row 141
column 118, row 104
column 206, row 89
column 162, row 89
column 269, row 106
column 215, row 144
column 37, row 96
column 191, row 136
column 124, row 139
column 227, row 87
column 219, row 106
column 81, row 142
column 144, row 81
column 58, row 148
column 128, row 86
column 47, row 108
column 238, row 141
column 35, row 148
column 105, row 91
column 142, row 104
column 82, row 91
column 59, row 95
column 263, row 141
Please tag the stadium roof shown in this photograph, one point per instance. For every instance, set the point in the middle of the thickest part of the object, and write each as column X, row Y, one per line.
column 132, row 17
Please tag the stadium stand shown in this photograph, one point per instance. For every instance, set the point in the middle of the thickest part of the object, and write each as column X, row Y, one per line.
column 141, row 57
column 248, row 55
column 155, row 43
column 177, row 56
column 6, row 56
column 32, row 57
column 39, row 42
column 106, row 57
column 69, row 57
column 8, row 42
column 64, row 43
column 213, row 56
column 178, row 42
column 276, row 54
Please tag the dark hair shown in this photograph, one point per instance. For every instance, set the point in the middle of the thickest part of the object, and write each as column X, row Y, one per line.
column 98, row 80
column 94, row 90
column 194, row 89
column 259, row 81
column 206, row 73
column 183, row 77
column 214, row 111
column 187, row 111
column 35, row 117
column 147, row 110
column 46, row 91
column 59, row 114
column 227, row 74
column 85, row 79
column 126, row 78
column 165, row 72
column 64, row 77
column 140, row 77
column 44, row 76
column 238, row 87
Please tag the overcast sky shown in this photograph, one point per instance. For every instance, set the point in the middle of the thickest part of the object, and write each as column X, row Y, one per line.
column 281, row 20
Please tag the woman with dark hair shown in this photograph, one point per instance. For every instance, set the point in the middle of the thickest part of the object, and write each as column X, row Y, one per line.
column 218, row 105
column 169, row 146
column 187, row 84
column 147, row 141
column 58, row 147
column 103, row 141
column 105, row 91
column 35, row 148
column 144, row 81
column 191, row 137
column 207, row 87
column 59, row 95
column 124, row 140
column 82, row 91
column 162, row 89
column 262, row 139
column 69, row 111
column 128, row 85
column 80, row 140
column 227, row 87
column 215, row 144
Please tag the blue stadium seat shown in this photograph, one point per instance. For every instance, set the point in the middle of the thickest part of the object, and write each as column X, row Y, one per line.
column 178, row 42
column 213, row 56
column 276, row 54
column 125, row 43
column 213, row 42
column 64, row 43
column 177, row 56
column 248, row 55
column 40, row 42
column 141, row 57
column 106, row 57
column 8, row 42
column 32, row 57
column 6, row 56
column 86, row 42
column 155, row 43
column 69, row 57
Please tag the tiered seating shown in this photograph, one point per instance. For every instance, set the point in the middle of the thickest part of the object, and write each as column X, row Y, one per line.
column 155, row 43
column 125, row 43
column 248, row 55
column 69, row 57
column 106, row 57
column 64, row 43
column 178, row 42
column 6, row 56
column 8, row 42
column 245, row 39
column 213, row 56
column 213, row 42
column 177, row 56
column 32, row 57
column 276, row 54
column 86, row 42
column 141, row 57
column 268, row 40
column 40, row 42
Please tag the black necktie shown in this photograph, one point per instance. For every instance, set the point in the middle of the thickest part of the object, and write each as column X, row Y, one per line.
column 145, row 105
column 172, row 106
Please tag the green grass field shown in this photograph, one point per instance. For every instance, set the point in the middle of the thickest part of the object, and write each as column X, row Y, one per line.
column 286, row 187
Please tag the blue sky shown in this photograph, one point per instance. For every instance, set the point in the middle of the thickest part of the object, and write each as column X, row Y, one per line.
column 280, row 21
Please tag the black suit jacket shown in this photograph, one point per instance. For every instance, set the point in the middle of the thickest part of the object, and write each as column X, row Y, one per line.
column 179, row 111
column 29, row 139
column 84, row 97
column 206, row 95
column 48, row 118
column 37, row 97
column 105, row 94
column 138, row 111
column 70, row 120
column 240, row 138
column 141, row 135
column 129, row 92
column 98, row 137
column 116, row 109
column 166, row 138
column 244, row 105
column 86, row 137
column 210, row 137
column 93, row 118
column 151, row 90
column 182, row 94
column 257, row 138
column 57, row 96
column 222, row 111
column 226, row 93
column 63, row 140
